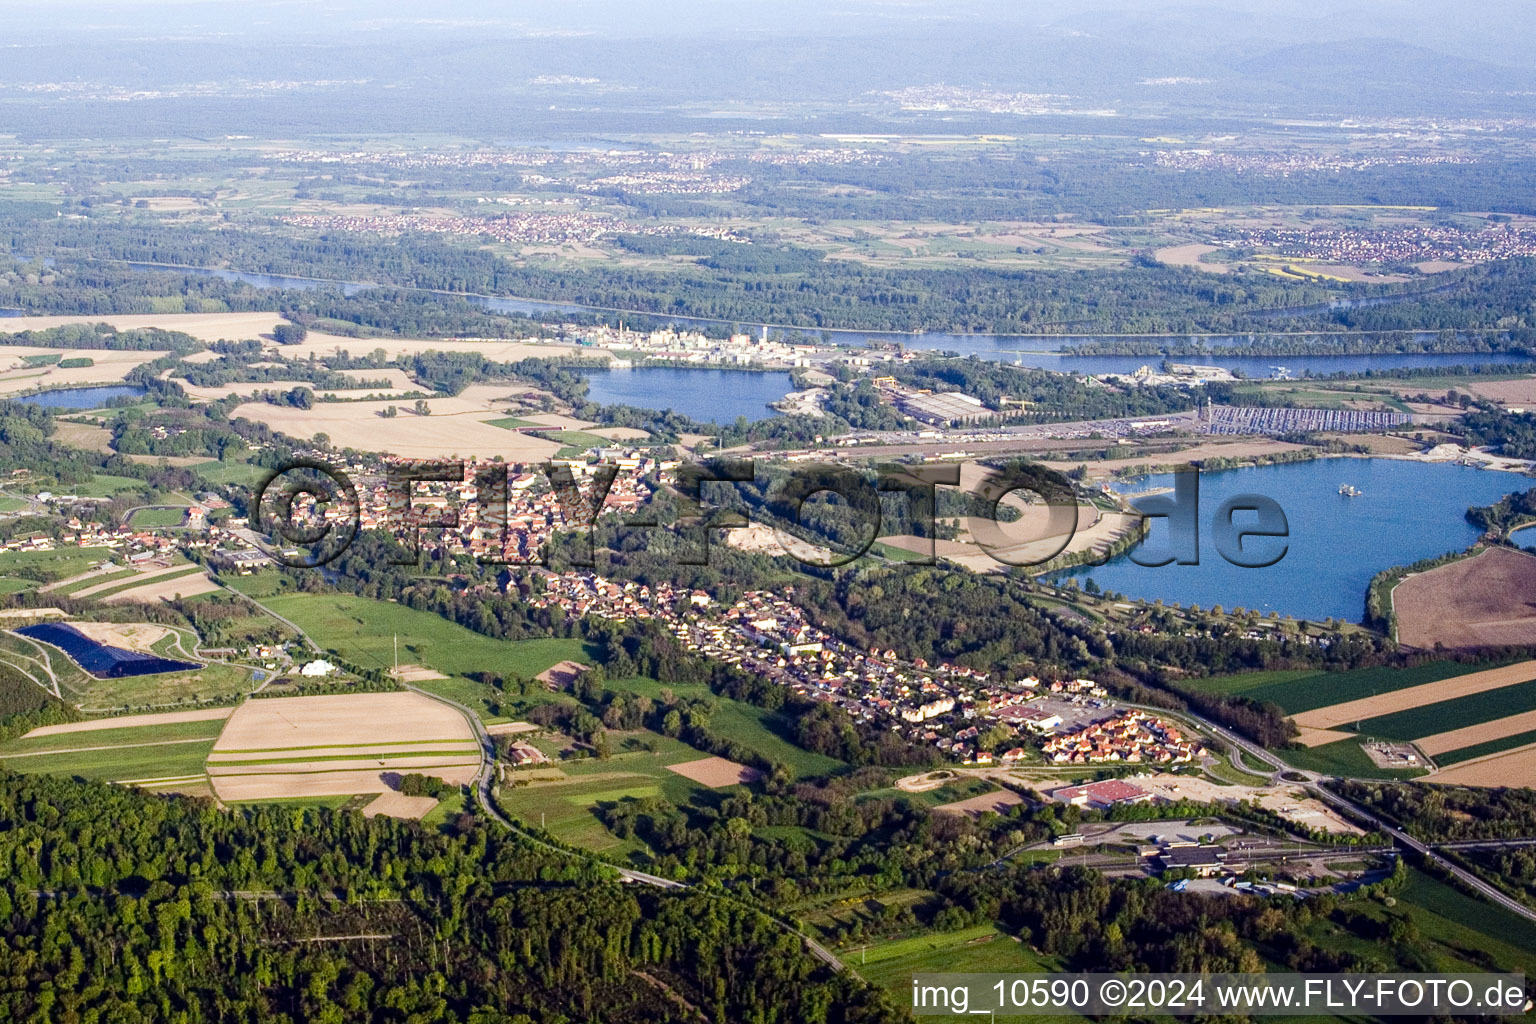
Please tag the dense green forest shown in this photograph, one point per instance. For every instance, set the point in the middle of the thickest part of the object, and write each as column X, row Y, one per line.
column 115, row 905
column 757, row 284
column 1511, row 510
column 1514, row 434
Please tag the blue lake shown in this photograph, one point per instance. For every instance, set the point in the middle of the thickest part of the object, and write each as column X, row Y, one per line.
column 717, row 396
column 82, row 398
column 98, row 659
column 1407, row 511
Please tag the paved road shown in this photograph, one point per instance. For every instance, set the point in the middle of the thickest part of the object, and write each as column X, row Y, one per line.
column 1485, row 844
column 482, row 787
column 1313, row 784
column 1249, row 749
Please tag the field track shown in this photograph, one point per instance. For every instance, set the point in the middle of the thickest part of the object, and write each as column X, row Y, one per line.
column 1416, row 696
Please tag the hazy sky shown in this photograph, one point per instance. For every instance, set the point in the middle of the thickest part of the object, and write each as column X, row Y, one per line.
column 1497, row 25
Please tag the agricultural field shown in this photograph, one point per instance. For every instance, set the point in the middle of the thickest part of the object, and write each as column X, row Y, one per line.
column 104, row 485
column 1510, row 740
column 456, row 425
column 73, row 585
column 116, row 580
column 766, row 732
column 181, row 582
column 339, row 744
column 363, row 631
column 579, row 439
column 1344, row 757
column 1298, row 691
column 1407, row 698
column 978, row 949
column 1452, row 720
column 52, row 565
column 1490, row 706
column 1503, row 767
column 564, row 797
column 126, row 753
column 1482, row 601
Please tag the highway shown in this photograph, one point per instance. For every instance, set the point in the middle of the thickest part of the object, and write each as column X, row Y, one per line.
column 1400, row 838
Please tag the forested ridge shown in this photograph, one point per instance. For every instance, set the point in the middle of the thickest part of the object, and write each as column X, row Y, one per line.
column 116, row 905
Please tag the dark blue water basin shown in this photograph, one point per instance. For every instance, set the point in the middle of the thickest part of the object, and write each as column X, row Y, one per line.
column 98, row 659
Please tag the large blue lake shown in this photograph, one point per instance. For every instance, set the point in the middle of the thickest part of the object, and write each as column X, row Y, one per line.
column 82, row 398
column 717, row 396
column 98, row 659
column 1406, row 511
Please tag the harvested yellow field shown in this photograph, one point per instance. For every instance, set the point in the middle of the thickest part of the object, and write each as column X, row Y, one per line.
column 328, row 783
column 144, row 576
column 107, row 367
column 417, row 674
column 322, row 345
column 381, row 383
column 510, row 728
column 1321, row 737
column 202, row 326
column 167, row 589
column 343, row 743
column 1483, row 732
column 620, row 433
column 456, row 427
column 1189, row 256
column 1515, row 767
column 234, row 766
column 131, row 722
column 999, row 802
column 1520, row 392
column 398, row 805
column 716, row 772
column 453, row 750
column 1482, row 601
column 345, row 719
column 1416, row 696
